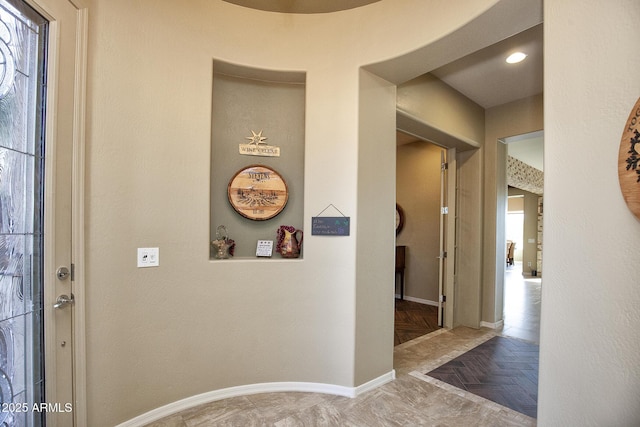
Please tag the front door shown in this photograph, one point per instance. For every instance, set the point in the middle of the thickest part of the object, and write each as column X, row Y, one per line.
column 39, row 123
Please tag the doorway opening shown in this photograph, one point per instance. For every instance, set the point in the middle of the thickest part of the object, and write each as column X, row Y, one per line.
column 421, row 193
column 523, row 227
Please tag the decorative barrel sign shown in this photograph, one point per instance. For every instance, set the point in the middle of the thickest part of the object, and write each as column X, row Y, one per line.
column 257, row 192
column 628, row 159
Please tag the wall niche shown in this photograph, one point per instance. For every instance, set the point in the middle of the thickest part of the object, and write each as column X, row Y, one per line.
column 249, row 102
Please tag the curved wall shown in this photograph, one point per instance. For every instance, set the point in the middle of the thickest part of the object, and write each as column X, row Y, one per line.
column 190, row 326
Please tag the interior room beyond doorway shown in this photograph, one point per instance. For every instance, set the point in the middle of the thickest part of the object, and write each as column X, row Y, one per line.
column 418, row 193
column 523, row 283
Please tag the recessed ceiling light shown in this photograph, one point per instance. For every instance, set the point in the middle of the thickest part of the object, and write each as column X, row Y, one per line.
column 516, row 57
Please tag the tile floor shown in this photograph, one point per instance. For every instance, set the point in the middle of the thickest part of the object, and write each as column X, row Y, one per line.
column 503, row 370
column 522, row 299
column 407, row 401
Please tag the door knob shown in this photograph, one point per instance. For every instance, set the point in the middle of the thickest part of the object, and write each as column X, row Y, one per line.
column 63, row 301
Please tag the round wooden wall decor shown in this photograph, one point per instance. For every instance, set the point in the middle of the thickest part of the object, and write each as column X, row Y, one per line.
column 257, row 192
column 399, row 219
column 629, row 159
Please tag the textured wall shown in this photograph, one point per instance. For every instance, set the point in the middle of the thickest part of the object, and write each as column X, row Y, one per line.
column 589, row 347
column 193, row 325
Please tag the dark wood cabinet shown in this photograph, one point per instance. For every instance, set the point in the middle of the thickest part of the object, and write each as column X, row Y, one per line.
column 400, row 266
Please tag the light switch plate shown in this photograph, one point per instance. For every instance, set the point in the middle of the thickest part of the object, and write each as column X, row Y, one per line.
column 148, row 257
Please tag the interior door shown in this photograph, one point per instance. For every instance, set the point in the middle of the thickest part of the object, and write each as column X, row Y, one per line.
column 444, row 211
column 451, row 239
column 41, row 141
column 446, row 261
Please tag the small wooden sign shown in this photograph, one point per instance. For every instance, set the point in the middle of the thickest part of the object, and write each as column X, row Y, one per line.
column 330, row 225
column 257, row 146
column 259, row 150
column 629, row 161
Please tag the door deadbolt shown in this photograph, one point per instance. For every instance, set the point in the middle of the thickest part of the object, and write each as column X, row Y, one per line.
column 62, row 273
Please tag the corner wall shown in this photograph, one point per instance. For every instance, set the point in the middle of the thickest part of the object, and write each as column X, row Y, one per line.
column 590, row 295
column 375, row 232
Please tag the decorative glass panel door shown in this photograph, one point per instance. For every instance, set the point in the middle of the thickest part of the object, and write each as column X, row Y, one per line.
column 22, row 41
column 38, row 138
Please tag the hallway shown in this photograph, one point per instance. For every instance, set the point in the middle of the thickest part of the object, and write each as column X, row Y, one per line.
column 522, row 299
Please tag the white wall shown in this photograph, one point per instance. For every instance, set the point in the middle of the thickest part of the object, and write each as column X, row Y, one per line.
column 589, row 346
column 193, row 325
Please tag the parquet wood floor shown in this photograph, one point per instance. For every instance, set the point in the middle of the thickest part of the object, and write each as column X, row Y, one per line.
column 413, row 320
column 503, row 370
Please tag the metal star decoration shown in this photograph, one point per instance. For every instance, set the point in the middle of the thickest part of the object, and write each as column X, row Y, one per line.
column 256, row 138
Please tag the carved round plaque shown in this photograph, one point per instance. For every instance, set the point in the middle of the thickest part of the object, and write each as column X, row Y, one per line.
column 258, row 192
column 629, row 159
column 399, row 219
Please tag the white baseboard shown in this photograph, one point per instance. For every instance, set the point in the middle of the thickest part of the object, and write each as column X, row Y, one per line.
column 374, row 383
column 497, row 325
column 244, row 390
column 419, row 300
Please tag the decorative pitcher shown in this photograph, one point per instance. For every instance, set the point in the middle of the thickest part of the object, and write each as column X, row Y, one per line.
column 289, row 245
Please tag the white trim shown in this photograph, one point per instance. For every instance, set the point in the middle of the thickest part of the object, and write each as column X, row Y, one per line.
column 419, row 300
column 497, row 325
column 79, row 4
column 375, row 383
column 78, row 205
column 49, row 232
column 245, row 390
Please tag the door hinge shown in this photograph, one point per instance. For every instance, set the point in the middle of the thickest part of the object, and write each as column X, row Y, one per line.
column 443, row 254
column 444, row 166
column 443, row 298
column 444, row 210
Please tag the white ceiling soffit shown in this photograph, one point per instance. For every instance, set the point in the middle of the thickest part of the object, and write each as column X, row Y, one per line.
column 301, row 6
column 411, row 126
column 505, row 19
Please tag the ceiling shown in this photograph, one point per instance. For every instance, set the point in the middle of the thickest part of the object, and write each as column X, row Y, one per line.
column 486, row 79
column 302, row 6
column 483, row 76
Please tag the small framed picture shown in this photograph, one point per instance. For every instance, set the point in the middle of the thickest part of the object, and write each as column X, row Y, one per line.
column 264, row 248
